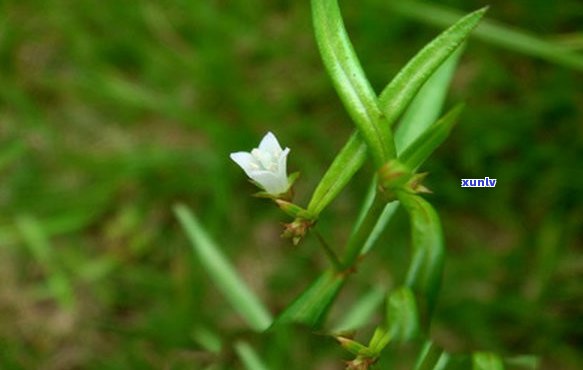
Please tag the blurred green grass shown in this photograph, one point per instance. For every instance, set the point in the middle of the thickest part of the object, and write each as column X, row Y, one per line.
column 112, row 112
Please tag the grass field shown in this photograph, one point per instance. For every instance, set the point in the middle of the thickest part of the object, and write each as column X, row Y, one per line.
column 113, row 112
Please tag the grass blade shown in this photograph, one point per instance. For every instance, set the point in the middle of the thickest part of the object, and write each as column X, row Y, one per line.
column 494, row 33
column 37, row 241
column 210, row 341
column 249, row 357
column 400, row 92
column 222, row 273
column 349, row 79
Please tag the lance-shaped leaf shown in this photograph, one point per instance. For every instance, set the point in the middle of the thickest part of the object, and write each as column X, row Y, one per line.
column 223, row 274
column 380, row 338
column 398, row 94
column 311, row 306
column 431, row 139
column 380, row 226
column 425, row 269
column 402, row 316
column 426, row 107
column 354, row 347
column 380, row 220
column 349, row 79
column 344, row 166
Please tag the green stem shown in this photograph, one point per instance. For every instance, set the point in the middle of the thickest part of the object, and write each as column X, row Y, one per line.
column 329, row 252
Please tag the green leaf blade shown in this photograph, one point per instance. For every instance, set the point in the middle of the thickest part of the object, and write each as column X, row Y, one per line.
column 37, row 241
column 349, row 160
column 233, row 287
column 400, row 92
column 349, row 79
column 430, row 140
column 402, row 315
column 427, row 105
column 380, row 226
column 425, row 270
column 312, row 305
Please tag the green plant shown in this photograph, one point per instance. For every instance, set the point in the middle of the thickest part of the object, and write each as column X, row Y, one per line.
column 414, row 97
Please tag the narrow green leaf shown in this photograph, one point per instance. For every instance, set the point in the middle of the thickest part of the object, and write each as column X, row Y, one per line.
column 312, row 305
column 248, row 356
column 400, row 92
column 381, row 222
column 222, row 273
column 486, row 361
column 425, row 270
column 378, row 220
column 361, row 312
column 493, row 32
column 431, row 357
column 367, row 203
column 344, row 166
column 354, row 347
column 431, row 139
column 349, row 79
column 208, row 340
column 380, row 226
column 38, row 243
column 362, row 232
column 426, row 107
column 380, row 338
column 402, row 315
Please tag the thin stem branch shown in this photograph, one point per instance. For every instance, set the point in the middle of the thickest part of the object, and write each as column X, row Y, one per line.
column 329, row 252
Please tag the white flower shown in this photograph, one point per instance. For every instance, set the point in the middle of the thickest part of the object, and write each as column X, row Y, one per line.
column 266, row 165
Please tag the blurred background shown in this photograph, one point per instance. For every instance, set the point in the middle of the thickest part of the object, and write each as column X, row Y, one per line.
column 112, row 112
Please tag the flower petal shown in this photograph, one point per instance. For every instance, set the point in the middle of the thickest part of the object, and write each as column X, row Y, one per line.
column 282, row 164
column 270, row 144
column 246, row 161
column 271, row 182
